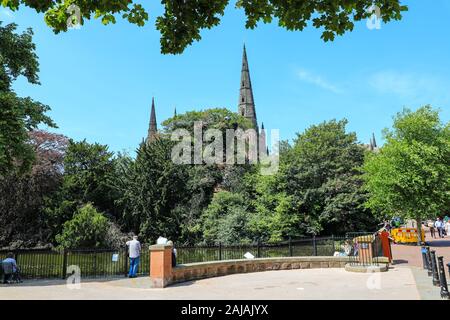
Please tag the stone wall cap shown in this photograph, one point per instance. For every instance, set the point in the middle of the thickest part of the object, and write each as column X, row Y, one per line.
column 158, row 247
column 261, row 260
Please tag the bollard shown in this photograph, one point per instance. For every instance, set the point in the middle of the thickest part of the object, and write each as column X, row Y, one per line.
column 443, row 279
column 435, row 270
column 424, row 258
column 430, row 269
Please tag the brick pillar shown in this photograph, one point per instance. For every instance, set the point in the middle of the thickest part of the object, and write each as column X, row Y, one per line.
column 160, row 265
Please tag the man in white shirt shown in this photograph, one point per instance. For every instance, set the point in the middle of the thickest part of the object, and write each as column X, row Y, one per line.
column 134, row 252
column 439, row 224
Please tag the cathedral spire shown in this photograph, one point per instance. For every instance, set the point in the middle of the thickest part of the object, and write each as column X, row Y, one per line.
column 374, row 142
column 153, row 128
column 262, row 142
column 246, row 102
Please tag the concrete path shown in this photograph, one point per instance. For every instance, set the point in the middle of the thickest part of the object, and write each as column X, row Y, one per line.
column 410, row 255
column 397, row 283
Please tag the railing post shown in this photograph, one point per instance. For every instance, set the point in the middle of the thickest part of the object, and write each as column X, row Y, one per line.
column 333, row 245
column 95, row 262
column 64, row 265
column 220, row 251
column 125, row 261
column 314, row 246
column 258, row 251
column 16, row 256
column 443, row 279
column 436, row 281
column 290, row 247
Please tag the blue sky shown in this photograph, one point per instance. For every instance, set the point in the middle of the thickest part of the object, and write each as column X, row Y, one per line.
column 100, row 80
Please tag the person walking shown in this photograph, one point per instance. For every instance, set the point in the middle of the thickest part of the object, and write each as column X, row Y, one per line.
column 433, row 232
column 439, row 224
column 134, row 252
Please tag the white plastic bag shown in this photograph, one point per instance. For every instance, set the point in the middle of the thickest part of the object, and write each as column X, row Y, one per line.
column 161, row 240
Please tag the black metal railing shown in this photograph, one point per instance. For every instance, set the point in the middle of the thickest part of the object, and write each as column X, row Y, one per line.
column 92, row 263
column 106, row 263
column 436, row 270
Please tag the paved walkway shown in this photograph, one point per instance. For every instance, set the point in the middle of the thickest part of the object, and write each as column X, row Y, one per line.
column 331, row 284
column 411, row 255
column 405, row 280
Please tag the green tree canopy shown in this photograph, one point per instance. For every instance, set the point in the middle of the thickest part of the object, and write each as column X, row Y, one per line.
column 204, row 180
column 88, row 169
column 225, row 219
column 152, row 188
column 410, row 176
column 214, row 118
column 325, row 180
column 18, row 115
column 182, row 20
column 87, row 229
column 318, row 188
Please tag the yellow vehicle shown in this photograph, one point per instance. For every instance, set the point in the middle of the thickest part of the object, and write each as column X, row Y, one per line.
column 406, row 235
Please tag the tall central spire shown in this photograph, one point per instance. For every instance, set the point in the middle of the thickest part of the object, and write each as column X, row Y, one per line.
column 246, row 101
column 152, row 129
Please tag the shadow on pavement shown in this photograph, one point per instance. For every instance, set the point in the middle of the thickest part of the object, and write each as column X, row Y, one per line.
column 58, row 282
column 442, row 243
column 399, row 261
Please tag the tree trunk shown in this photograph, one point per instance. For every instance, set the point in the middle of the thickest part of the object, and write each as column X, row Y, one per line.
column 419, row 231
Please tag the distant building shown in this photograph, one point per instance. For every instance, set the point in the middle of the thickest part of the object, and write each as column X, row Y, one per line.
column 372, row 146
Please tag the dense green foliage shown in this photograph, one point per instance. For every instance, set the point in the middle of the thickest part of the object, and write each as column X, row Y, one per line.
column 410, row 176
column 318, row 189
column 226, row 219
column 88, row 169
column 87, row 229
column 18, row 115
column 182, row 21
column 152, row 188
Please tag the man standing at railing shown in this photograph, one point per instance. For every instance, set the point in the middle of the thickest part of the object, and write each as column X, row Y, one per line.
column 134, row 252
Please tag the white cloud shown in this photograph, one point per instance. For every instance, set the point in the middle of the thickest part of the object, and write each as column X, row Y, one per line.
column 407, row 85
column 317, row 80
column 7, row 13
